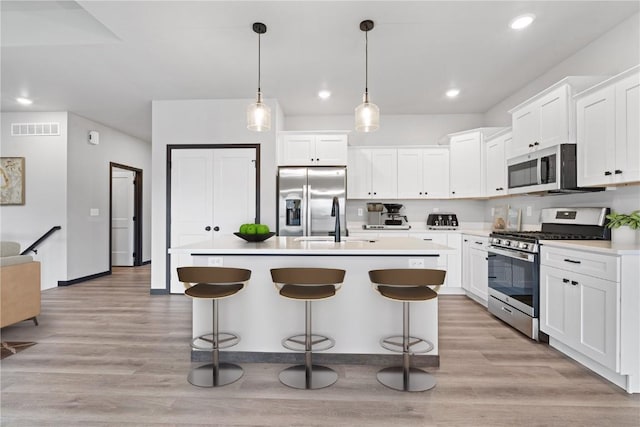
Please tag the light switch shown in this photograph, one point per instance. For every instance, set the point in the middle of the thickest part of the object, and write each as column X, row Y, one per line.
column 94, row 212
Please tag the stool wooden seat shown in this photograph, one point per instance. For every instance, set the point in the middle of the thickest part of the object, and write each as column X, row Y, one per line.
column 406, row 285
column 214, row 283
column 307, row 284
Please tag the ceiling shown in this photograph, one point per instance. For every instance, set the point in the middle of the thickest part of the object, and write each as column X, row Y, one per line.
column 107, row 60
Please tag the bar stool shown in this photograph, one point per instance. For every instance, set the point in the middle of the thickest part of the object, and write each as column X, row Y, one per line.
column 307, row 284
column 406, row 285
column 214, row 283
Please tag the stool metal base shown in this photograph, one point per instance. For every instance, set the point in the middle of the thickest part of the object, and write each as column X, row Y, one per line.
column 295, row 377
column 204, row 376
column 417, row 380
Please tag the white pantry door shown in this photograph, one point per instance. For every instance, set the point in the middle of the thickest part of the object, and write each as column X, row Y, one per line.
column 122, row 211
column 213, row 192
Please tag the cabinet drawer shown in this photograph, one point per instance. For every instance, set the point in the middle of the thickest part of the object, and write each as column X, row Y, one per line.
column 591, row 264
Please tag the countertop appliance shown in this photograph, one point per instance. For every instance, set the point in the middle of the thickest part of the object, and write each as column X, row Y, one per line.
column 514, row 263
column 442, row 221
column 392, row 219
column 305, row 198
column 375, row 214
column 552, row 169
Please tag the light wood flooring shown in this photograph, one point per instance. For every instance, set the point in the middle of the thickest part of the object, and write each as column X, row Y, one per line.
column 109, row 353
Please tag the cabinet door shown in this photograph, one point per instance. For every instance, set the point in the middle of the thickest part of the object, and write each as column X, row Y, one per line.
column 628, row 130
column 466, row 166
column 331, row 150
column 297, row 150
column 525, row 123
column 410, row 170
column 384, row 173
column 553, row 118
column 597, row 319
column 557, row 313
column 479, row 272
column 496, row 167
column 595, row 117
column 435, row 173
column 359, row 174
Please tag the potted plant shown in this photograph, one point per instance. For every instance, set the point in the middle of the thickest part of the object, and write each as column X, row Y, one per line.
column 624, row 227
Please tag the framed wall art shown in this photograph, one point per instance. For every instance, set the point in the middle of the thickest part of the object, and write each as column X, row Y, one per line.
column 11, row 180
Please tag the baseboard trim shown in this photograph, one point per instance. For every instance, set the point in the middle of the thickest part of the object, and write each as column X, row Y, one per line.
column 83, row 279
column 159, row 292
column 146, row 262
column 423, row 360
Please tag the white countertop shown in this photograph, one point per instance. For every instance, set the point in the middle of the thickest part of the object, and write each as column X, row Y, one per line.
column 598, row 246
column 380, row 246
column 476, row 229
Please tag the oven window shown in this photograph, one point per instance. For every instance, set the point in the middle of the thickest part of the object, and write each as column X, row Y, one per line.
column 515, row 278
column 523, row 174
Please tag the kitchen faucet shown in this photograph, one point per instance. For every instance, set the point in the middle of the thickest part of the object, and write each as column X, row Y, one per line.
column 335, row 211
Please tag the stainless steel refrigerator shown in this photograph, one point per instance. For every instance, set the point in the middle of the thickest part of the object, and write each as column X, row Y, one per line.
column 305, row 198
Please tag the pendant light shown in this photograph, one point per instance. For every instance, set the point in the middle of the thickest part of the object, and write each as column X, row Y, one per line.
column 367, row 113
column 259, row 114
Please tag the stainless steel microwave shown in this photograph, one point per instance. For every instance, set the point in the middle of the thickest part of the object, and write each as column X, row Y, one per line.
column 551, row 169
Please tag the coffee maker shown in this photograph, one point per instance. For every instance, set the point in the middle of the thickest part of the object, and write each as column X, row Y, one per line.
column 393, row 215
column 374, row 214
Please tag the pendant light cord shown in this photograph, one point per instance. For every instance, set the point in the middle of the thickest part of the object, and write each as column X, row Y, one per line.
column 258, row 62
column 366, row 61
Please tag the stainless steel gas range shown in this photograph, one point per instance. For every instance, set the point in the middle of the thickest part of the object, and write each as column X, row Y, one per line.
column 514, row 264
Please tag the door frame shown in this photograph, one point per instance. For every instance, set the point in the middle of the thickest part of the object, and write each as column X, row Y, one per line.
column 137, row 212
column 170, row 148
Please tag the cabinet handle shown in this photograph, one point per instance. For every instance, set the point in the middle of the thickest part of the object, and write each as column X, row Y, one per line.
column 466, row 240
column 503, row 308
column 216, row 228
column 317, row 160
column 369, row 193
column 425, row 193
column 565, row 280
column 428, row 240
column 536, row 143
column 574, row 283
column 207, row 228
column 477, row 243
column 607, row 173
column 572, row 261
column 530, row 145
column 312, row 159
column 453, row 192
column 420, row 193
column 618, row 171
column 374, row 193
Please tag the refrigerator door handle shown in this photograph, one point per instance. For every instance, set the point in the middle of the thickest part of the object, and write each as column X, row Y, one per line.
column 305, row 210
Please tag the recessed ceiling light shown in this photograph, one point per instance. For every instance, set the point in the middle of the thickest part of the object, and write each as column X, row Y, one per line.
column 24, row 101
column 452, row 93
column 324, row 94
column 522, row 21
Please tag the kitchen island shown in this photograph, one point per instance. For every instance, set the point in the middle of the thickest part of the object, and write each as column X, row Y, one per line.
column 357, row 317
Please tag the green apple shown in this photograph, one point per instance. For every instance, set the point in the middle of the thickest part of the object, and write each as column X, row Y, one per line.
column 262, row 229
column 243, row 228
column 251, row 229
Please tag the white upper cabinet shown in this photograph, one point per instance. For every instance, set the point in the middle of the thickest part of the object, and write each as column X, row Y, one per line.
column 548, row 118
column 496, row 163
column 372, row 173
column 608, row 131
column 423, row 173
column 467, row 162
column 307, row 149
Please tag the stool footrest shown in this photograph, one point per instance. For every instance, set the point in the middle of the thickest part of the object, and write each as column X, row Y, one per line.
column 205, row 341
column 394, row 343
column 297, row 342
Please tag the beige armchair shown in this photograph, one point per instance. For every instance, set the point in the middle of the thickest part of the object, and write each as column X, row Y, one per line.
column 19, row 285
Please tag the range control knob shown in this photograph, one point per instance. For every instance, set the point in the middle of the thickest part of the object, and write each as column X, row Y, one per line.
column 507, row 242
column 524, row 245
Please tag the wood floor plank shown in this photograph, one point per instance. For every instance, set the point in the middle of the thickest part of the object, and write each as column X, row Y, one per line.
column 109, row 353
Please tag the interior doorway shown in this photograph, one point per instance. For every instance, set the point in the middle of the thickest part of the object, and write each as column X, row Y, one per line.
column 125, row 215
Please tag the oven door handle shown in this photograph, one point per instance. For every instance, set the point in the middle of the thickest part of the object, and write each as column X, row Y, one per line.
column 512, row 254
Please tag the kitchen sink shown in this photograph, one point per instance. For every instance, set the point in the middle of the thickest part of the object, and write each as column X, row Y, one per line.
column 331, row 239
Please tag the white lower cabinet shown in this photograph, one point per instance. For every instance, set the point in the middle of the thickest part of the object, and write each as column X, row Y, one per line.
column 581, row 311
column 451, row 262
column 589, row 303
column 475, row 268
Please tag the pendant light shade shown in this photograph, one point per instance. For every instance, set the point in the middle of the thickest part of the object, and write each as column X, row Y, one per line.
column 367, row 113
column 259, row 113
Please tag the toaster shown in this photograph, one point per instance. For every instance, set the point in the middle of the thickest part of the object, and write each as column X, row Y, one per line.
column 442, row 221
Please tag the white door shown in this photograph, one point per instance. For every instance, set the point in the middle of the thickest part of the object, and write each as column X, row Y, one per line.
column 435, row 173
column 628, row 130
column 331, row 150
column 212, row 194
column 410, row 173
column 359, row 173
column 384, row 173
column 465, row 178
column 122, row 211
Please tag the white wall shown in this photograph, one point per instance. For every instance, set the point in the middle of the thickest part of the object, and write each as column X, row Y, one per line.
column 205, row 122
column 45, row 193
column 610, row 54
column 88, row 187
column 414, row 129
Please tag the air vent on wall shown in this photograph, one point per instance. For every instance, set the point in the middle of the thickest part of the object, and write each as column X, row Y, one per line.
column 35, row 129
